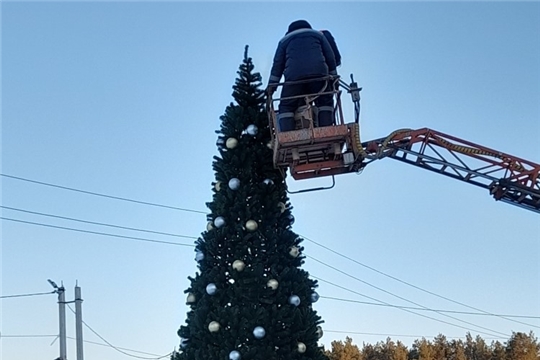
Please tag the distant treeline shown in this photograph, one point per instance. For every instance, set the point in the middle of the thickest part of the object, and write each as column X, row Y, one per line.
column 520, row 346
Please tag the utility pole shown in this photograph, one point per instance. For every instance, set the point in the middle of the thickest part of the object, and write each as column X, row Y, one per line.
column 62, row 317
column 78, row 323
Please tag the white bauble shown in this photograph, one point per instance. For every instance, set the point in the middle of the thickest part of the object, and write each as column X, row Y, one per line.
column 294, row 251
column 301, row 347
column 234, row 355
column 231, row 143
column 259, row 332
column 252, row 130
column 270, row 145
column 183, row 343
column 238, row 265
column 282, row 207
column 219, row 221
column 294, row 300
column 191, row 298
column 209, row 226
column 234, row 184
column 314, row 297
column 214, row 326
column 268, row 182
column 273, row 284
column 217, row 185
column 211, row 289
column 199, row 256
column 252, row 225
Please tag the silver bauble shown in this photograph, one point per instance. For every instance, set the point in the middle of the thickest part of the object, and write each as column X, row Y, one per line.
column 238, row 265
column 209, row 226
column 282, row 207
column 234, row 184
column 259, row 332
column 268, row 182
column 183, row 343
column 301, row 347
column 191, row 298
column 214, row 326
column 219, row 221
column 252, row 225
column 314, row 296
column 294, row 251
column 231, row 143
column 217, row 185
column 252, row 130
column 294, row 300
column 211, row 289
column 220, row 142
column 199, row 256
column 234, row 355
column 273, row 284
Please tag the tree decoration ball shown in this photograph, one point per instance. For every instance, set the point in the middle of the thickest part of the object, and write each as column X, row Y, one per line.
column 220, row 142
column 294, row 300
column 219, row 221
column 291, row 218
column 294, row 251
column 282, row 207
column 199, row 256
column 234, row 184
column 314, row 297
column 319, row 332
column 214, row 326
column 234, row 355
column 238, row 265
column 268, row 182
column 217, row 185
column 252, row 130
column 251, row 225
column 301, row 347
column 272, row 284
column 209, row 226
column 211, row 289
column 259, row 332
column 191, row 298
column 231, row 143
column 270, row 145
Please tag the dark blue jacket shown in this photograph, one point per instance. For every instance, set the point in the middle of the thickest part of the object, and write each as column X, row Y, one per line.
column 301, row 54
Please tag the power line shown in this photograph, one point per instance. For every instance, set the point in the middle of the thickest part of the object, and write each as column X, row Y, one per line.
column 102, row 195
column 117, row 348
column 407, row 310
column 398, row 335
column 400, row 297
column 196, row 211
column 427, row 309
column 409, row 284
column 86, row 341
column 97, row 233
column 26, row 295
column 96, row 223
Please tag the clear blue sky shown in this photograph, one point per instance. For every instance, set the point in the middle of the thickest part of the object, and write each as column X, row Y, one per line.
column 124, row 98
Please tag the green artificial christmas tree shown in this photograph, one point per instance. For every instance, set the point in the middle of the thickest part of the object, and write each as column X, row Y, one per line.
column 251, row 299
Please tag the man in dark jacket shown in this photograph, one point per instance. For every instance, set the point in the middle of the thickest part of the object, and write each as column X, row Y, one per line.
column 303, row 53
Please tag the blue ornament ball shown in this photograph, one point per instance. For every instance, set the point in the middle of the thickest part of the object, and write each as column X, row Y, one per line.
column 291, row 218
column 252, row 130
column 314, row 297
column 199, row 256
column 234, row 184
column 234, row 355
column 259, row 332
column 219, row 221
column 211, row 289
column 294, row 300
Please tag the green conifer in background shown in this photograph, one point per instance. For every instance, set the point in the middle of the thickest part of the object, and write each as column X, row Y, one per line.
column 250, row 299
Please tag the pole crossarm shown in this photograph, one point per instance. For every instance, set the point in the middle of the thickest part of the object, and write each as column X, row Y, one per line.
column 508, row 178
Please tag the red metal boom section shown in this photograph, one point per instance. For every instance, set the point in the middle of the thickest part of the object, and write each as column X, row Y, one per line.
column 507, row 177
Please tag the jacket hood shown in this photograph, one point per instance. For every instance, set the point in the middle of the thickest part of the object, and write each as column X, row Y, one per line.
column 298, row 24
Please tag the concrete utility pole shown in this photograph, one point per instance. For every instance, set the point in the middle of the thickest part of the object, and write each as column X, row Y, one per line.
column 62, row 318
column 78, row 323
